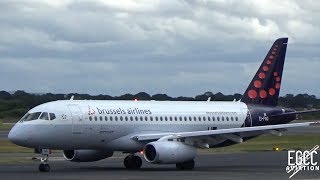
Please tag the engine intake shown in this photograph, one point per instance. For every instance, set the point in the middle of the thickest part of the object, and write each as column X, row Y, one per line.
column 168, row 152
column 86, row 155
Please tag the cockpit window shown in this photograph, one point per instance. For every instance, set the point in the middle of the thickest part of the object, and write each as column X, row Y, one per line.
column 32, row 116
column 52, row 116
column 44, row 116
column 24, row 117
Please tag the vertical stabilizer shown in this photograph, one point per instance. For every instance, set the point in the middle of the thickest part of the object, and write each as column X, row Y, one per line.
column 265, row 85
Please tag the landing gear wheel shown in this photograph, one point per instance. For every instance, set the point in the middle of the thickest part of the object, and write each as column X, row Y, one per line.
column 44, row 167
column 132, row 162
column 188, row 165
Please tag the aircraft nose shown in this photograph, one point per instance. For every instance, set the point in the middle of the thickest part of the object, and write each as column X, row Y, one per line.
column 15, row 135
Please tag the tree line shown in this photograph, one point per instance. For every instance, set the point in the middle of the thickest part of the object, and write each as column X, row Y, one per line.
column 15, row 105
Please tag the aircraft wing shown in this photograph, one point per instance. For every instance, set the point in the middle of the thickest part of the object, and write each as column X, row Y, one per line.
column 177, row 135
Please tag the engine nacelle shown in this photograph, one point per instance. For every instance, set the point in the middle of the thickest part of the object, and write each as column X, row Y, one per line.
column 86, row 155
column 168, row 152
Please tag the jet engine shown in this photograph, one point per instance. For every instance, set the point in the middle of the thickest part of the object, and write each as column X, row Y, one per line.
column 86, row 155
column 168, row 152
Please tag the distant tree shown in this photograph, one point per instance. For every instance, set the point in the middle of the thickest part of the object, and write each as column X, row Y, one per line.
column 5, row 95
column 161, row 97
column 209, row 94
column 125, row 97
column 219, row 97
column 237, row 96
column 202, row 97
column 103, row 97
column 181, row 98
column 142, row 96
column 20, row 93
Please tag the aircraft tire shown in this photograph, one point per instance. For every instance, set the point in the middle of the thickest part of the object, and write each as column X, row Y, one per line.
column 132, row 162
column 188, row 165
column 44, row 167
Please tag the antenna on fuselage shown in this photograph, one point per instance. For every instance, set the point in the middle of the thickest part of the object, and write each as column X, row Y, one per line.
column 209, row 98
column 72, row 97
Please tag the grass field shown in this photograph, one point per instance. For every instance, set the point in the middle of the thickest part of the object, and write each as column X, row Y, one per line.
column 8, row 147
column 268, row 142
column 5, row 127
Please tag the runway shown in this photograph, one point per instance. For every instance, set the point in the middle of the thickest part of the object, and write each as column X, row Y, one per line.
column 262, row 165
column 252, row 165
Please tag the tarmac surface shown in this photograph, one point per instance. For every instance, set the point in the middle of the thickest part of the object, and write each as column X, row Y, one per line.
column 253, row 165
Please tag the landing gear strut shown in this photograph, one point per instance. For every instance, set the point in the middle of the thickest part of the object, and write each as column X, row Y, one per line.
column 44, row 166
column 188, row 165
column 132, row 162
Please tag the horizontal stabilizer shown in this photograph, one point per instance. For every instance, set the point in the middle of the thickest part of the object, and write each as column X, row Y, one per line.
column 297, row 112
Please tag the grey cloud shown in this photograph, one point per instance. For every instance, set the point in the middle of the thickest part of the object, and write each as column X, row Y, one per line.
column 174, row 47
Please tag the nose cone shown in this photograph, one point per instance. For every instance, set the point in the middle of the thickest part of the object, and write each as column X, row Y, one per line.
column 16, row 135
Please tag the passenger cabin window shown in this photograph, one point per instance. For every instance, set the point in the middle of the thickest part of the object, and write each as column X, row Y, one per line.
column 44, row 116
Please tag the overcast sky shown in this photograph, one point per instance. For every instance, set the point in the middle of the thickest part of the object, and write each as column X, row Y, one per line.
column 163, row 46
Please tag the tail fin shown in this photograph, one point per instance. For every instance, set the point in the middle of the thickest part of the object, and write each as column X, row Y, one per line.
column 265, row 85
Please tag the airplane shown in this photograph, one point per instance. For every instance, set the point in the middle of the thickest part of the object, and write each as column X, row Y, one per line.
column 165, row 132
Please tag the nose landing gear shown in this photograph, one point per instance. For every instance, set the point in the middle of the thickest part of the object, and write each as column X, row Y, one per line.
column 44, row 166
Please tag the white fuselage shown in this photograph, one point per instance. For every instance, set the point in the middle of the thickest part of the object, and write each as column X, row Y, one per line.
column 94, row 124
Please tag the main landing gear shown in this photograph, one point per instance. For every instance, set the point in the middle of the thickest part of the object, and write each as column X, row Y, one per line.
column 188, row 165
column 132, row 162
column 44, row 166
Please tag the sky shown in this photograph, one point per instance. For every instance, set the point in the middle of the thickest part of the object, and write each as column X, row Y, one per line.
column 175, row 47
